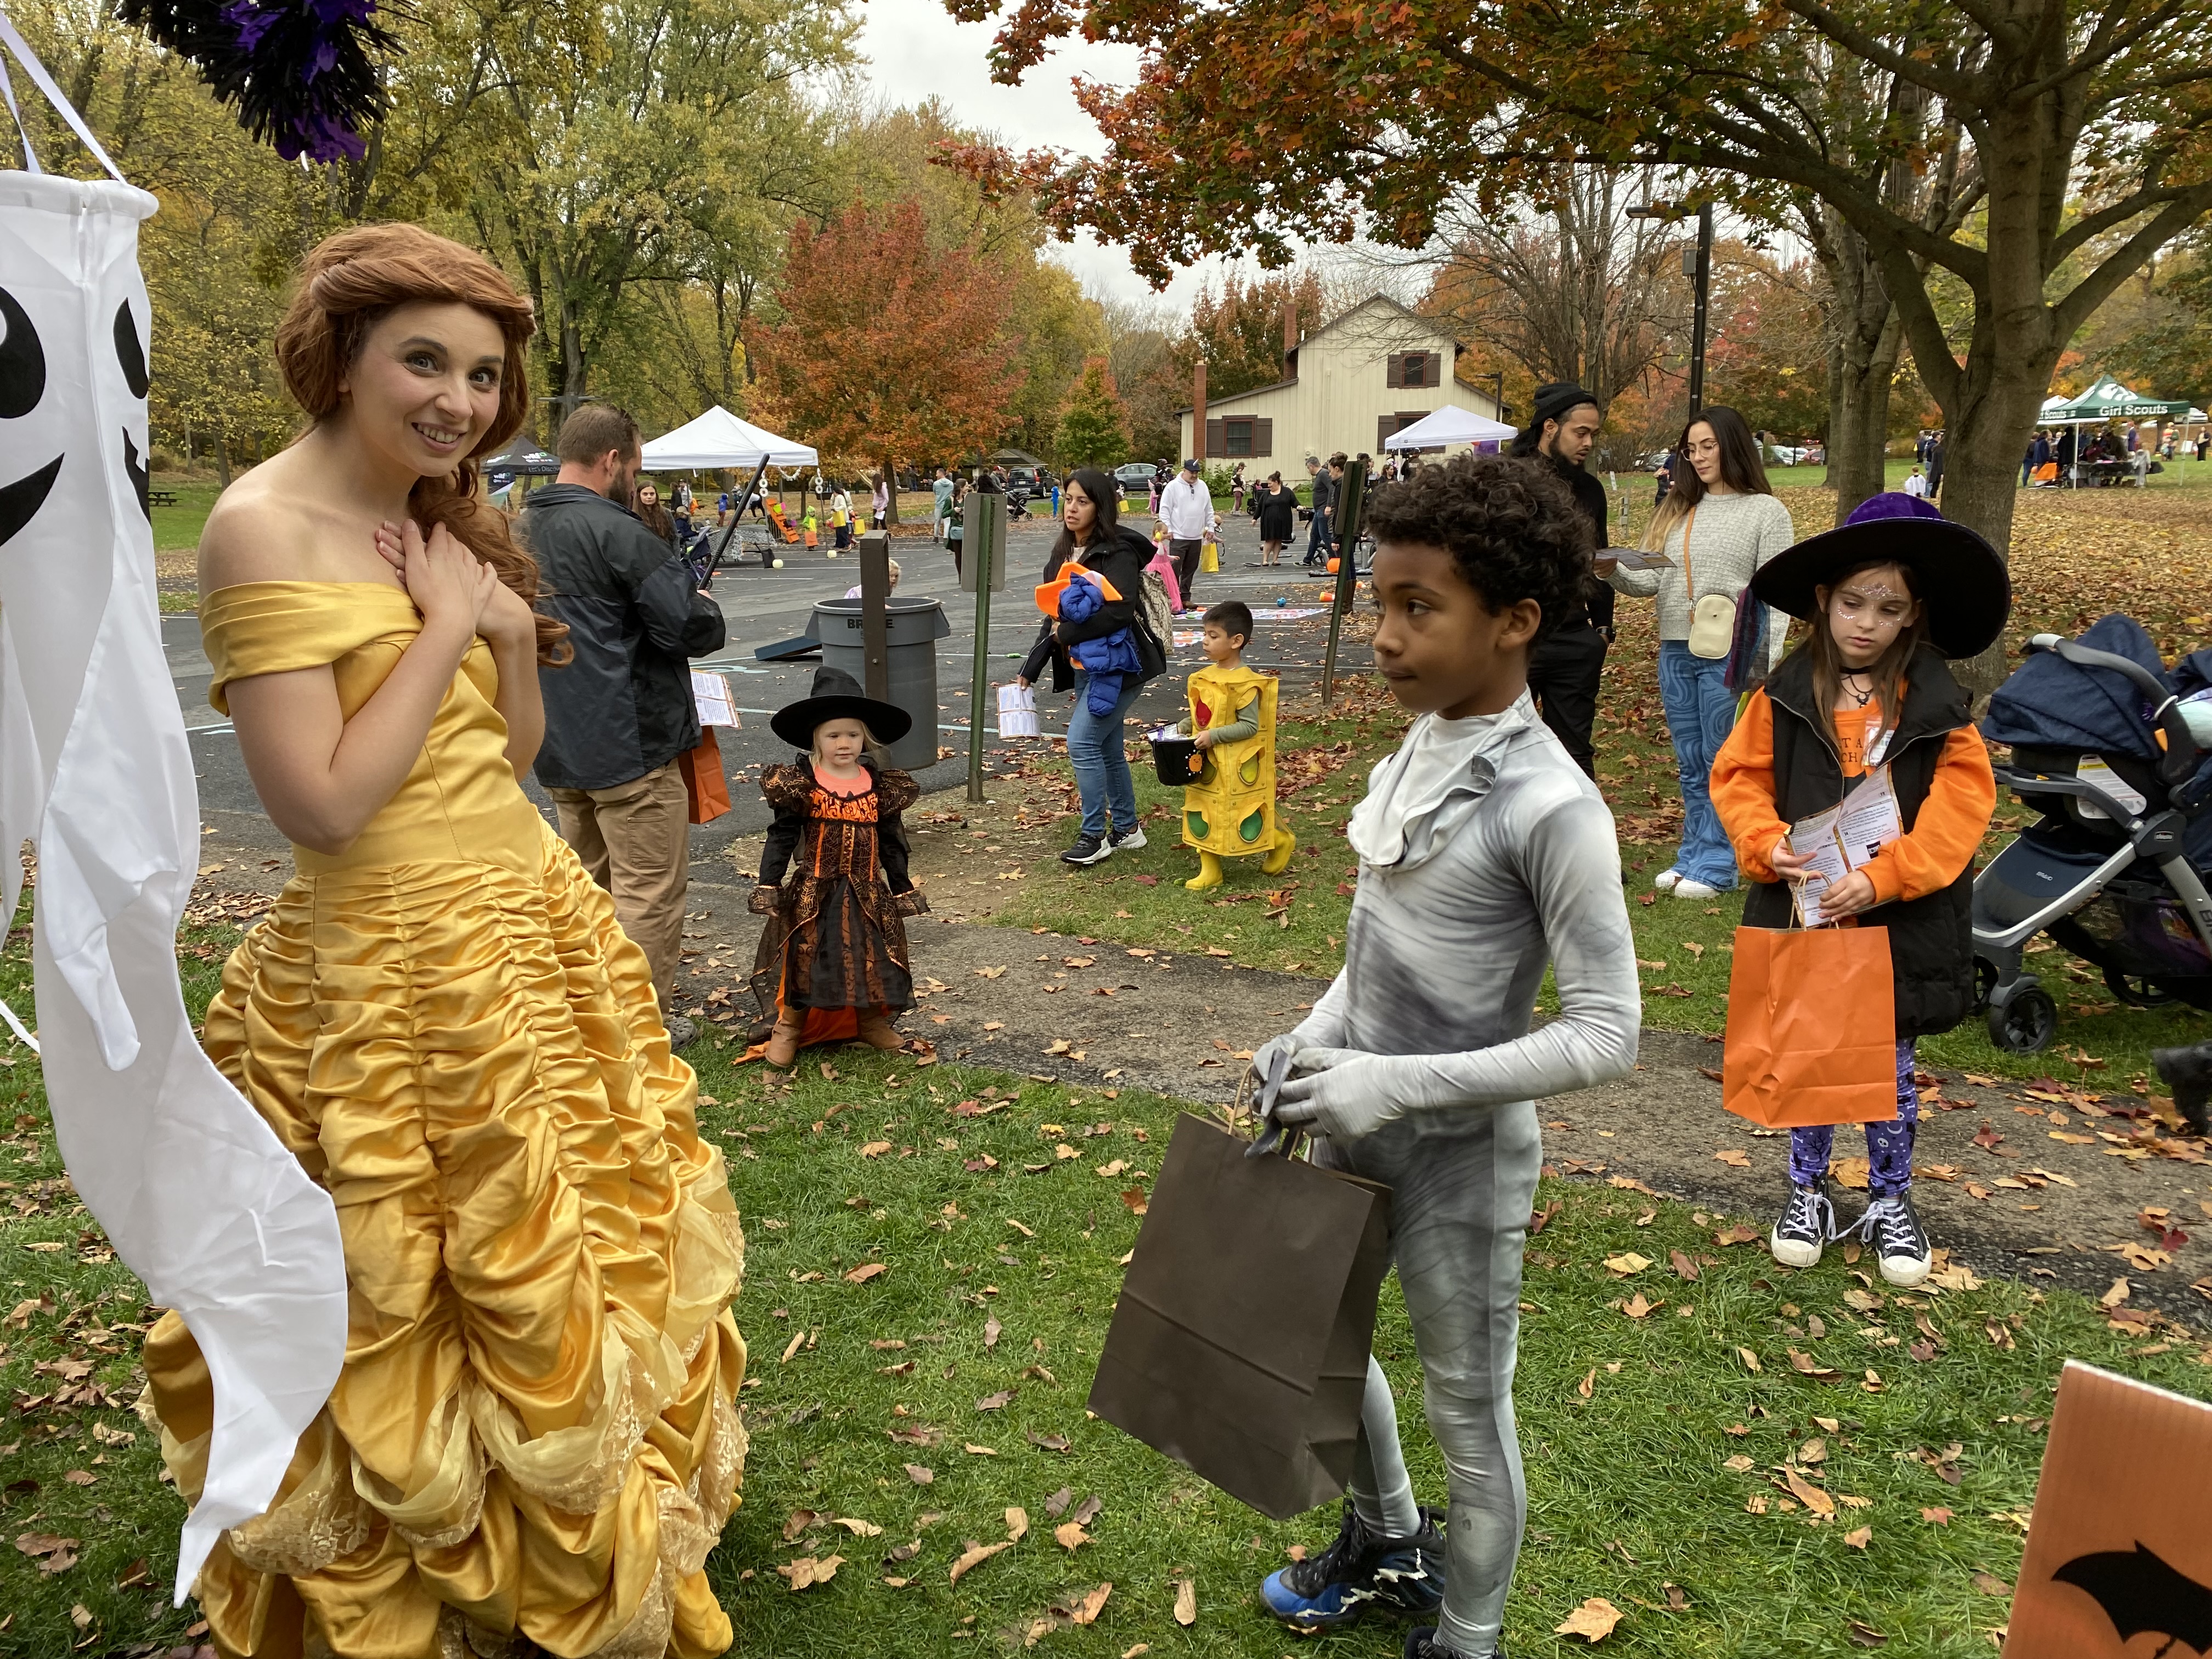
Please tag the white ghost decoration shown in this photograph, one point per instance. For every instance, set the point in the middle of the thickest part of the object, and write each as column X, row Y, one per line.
column 200, row 1199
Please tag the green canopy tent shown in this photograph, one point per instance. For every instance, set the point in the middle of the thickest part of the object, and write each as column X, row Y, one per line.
column 2106, row 400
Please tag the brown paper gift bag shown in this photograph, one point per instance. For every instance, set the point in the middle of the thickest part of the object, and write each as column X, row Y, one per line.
column 1812, row 1027
column 1239, row 1344
column 2121, row 1540
column 710, row 791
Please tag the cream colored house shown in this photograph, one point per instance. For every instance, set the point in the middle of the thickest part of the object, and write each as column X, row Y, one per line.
column 1347, row 385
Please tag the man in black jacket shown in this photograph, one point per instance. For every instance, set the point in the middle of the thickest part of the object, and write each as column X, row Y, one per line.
column 1564, row 669
column 618, row 716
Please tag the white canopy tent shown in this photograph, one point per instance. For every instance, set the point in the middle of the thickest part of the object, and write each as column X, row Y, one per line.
column 720, row 439
column 1449, row 425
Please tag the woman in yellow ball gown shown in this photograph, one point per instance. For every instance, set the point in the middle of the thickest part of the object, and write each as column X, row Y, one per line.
column 534, row 1442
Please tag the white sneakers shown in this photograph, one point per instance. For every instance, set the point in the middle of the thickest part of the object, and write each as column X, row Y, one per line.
column 1686, row 888
column 1667, row 880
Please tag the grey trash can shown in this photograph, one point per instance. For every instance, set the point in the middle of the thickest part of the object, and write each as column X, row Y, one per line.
column 912, row 628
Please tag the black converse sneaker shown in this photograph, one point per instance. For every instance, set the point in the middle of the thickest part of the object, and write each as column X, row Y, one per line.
column 1088, row 849
column 1805, row 1228
column 1893, row 1227
column 1361, row 1572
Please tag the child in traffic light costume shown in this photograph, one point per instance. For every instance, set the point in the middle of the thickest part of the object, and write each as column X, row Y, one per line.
column 832, row 961
column 1230, row 813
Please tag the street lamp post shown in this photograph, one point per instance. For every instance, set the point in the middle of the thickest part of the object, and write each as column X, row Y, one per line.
column 1697, row 266
column 1701, row 275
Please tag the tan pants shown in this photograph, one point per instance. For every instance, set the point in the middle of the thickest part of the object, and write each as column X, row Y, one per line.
column 634, row 838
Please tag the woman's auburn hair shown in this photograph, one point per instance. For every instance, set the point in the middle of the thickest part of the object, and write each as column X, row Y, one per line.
column 350, row 281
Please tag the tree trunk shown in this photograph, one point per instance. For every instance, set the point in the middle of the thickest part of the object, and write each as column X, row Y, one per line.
column 1983, row 432
column 1858, row 402
column 222, row 459
column 890, row 477
column 1864, row 336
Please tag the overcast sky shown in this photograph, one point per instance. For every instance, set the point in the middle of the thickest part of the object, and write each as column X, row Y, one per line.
column 914, row 49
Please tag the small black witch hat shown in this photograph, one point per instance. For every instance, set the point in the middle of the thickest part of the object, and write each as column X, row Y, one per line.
column 838, row 696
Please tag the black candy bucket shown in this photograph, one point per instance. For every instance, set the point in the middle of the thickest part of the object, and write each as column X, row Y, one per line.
column 1175, row 759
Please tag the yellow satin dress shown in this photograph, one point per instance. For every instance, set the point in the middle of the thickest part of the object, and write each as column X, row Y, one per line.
column 535, row 1437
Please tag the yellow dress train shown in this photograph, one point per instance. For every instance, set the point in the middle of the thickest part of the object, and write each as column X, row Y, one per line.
column 535, row 1437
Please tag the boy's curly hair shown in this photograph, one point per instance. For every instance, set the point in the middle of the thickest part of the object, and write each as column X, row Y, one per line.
column 1510, row 523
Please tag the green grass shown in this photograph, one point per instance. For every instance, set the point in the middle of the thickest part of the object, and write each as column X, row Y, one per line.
column 176, row 529
column 1628, row 1487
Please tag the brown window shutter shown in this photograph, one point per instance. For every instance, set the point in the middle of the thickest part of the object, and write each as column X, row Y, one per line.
column 1263, row 437
column 1436, row 375
column 1384, row 426
column 1395, row 371
column 1217, row 441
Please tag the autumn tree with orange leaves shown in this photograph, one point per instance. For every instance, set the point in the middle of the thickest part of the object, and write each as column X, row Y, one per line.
column 2070, row 135
column 888, row 349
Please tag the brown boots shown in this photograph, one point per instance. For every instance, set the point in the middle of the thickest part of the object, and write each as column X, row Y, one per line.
column 783, row 1044
column 876, row 1031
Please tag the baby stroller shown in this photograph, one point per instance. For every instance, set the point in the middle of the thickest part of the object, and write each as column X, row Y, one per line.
column 2114, row 870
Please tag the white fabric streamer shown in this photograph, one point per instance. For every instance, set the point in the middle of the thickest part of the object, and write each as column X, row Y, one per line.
column 200, row 1199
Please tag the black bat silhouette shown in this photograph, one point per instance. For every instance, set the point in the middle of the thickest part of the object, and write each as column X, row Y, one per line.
column 2139, row 1592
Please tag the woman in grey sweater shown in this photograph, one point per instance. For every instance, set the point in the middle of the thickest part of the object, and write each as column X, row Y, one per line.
column 1719, row 525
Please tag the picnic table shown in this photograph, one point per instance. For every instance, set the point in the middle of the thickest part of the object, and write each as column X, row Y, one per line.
column 160, row 498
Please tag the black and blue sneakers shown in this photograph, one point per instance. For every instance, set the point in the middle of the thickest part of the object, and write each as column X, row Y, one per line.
column 1362, row 1572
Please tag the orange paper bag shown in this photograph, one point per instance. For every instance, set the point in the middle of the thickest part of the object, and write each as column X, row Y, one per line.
column 2119, row 1552
column 1812, row 1027
column 702, row 778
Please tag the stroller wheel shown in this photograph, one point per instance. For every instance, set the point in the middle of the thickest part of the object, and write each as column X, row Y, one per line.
column 2139, row 993
column 1985, row 980
column 2025, row 1022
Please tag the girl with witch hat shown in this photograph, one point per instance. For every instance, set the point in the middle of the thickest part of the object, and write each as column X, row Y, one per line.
column 1891, row 593
column 832, row 961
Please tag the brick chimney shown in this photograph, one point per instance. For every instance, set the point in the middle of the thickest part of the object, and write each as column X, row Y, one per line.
column 1198, row 410
column 1291, row 340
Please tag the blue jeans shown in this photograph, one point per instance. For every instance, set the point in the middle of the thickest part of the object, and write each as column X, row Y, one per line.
column 1098, row 750
column 1701, row 714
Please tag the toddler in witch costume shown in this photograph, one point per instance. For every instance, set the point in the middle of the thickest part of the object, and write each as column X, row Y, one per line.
column 1230, row 813
column 1891, row 593
column 832, row 961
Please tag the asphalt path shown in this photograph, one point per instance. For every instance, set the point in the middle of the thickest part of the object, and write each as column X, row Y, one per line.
column 762, row 607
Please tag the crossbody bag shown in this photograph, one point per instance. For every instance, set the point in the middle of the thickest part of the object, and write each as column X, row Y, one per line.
column 1712, row 619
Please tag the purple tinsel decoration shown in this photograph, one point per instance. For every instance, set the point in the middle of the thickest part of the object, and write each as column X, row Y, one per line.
column 301, row 72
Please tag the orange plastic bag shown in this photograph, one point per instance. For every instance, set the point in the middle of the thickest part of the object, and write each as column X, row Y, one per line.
column 1812, row 1027
column 702, row 778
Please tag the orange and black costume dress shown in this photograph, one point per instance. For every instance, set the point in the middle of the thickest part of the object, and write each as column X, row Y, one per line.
column 836, row 939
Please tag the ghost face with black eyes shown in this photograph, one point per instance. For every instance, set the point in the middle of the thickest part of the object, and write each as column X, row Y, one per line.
column 423, row 389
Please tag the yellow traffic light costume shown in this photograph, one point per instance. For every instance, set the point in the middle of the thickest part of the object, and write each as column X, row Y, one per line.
column 1229, row 812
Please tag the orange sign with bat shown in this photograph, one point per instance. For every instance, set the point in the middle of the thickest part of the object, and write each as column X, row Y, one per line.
column 2119, row 1552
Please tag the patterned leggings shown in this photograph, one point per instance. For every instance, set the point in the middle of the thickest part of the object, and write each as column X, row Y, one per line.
column 1889, row 1145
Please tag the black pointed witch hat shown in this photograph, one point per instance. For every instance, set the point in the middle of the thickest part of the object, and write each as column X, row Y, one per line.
column 838, row 696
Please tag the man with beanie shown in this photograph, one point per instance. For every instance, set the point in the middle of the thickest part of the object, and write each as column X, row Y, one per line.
column 1564, row 669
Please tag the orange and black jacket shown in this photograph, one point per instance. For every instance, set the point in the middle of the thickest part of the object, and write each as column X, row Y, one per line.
column 1780, row 765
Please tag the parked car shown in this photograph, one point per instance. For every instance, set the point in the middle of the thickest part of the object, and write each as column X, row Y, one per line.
column 1135, row 478
column 1030, row 478
column 1791, row 454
